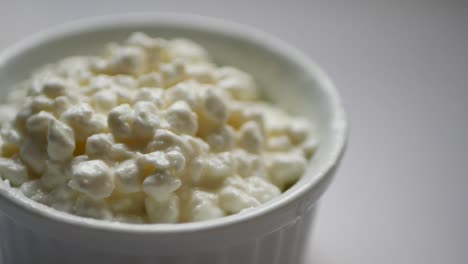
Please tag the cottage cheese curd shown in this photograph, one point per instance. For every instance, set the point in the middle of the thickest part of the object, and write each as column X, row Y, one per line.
column 149, row 131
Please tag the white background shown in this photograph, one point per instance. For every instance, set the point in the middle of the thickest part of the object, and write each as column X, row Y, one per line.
column 402, row 68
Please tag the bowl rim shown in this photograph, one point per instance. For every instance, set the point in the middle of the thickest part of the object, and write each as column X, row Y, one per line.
column 328, row 161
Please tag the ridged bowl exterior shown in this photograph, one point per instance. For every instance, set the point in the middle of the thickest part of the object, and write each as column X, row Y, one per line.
column 287, row 244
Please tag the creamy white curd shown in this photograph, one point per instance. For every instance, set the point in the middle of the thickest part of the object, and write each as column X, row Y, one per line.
column 150, row 131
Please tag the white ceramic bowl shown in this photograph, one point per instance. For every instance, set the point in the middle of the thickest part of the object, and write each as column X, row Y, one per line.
column 275, row 232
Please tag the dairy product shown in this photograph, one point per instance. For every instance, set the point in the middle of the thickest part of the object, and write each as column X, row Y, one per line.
column 151, row 130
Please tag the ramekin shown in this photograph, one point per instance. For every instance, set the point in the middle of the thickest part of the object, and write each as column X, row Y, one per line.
column 275, row 232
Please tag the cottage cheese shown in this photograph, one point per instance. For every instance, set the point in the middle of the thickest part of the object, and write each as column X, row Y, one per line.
column 149, row 131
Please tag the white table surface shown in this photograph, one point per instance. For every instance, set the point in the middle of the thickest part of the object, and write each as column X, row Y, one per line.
column 402, row 67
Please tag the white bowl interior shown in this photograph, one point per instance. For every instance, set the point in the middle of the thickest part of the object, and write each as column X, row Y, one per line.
column 282, row 80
